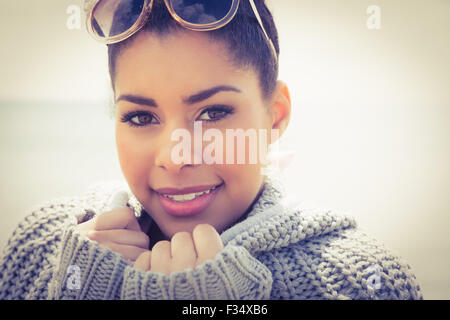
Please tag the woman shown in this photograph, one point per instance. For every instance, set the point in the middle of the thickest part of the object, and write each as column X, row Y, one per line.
column 189, row 224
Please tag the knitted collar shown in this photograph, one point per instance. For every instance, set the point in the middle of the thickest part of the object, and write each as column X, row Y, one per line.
column 273, row 223
column 273, row 192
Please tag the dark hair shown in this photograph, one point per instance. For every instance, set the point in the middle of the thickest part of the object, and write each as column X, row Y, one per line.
column 244, row 37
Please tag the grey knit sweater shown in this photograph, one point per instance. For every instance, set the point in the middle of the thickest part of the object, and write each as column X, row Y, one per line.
column 277, row 252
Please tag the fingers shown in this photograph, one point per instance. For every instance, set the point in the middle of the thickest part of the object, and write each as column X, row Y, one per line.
column 143, row 261
column 117, row 230
column 182, row 252
column 185, row 250
column 120, row 236
column 207, row 242
column 121, row 218
column 176, row 255
column 160, row 261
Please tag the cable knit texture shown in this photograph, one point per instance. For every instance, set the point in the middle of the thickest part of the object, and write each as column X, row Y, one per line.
column 277, row 252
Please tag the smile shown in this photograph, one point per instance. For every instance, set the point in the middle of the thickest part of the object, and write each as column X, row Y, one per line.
column 188, row 201
column 189, row 196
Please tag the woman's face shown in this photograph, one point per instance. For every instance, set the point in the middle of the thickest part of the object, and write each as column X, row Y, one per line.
column 161, row 85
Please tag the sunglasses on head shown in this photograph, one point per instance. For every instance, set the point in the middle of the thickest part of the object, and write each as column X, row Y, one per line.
column 112, row 21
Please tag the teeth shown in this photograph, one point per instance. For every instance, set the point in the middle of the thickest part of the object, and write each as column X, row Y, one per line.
column 188, row 196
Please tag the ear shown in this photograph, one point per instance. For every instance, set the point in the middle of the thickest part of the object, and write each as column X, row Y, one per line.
column 281, row 108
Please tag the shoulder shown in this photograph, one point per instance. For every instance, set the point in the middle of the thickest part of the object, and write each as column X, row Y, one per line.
column 319, row 253
column 25, row 258
column 341, row 264
column 53, row 213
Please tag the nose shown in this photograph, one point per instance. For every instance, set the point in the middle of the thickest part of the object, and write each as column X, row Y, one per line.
column 175, row 149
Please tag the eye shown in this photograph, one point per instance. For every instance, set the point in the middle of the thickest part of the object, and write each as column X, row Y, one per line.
column 139, row 119
column 215, row 113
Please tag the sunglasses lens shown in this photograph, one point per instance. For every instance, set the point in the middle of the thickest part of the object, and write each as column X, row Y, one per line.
column 202, row 11
column 113, row 17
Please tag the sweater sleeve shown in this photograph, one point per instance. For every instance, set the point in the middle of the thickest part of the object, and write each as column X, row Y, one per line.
column 86, row 270
column 25, row 267
column 233, row 274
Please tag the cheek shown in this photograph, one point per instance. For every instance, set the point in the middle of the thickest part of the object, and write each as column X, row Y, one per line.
column 133, row 157
column 243, row 183
column 245, row 180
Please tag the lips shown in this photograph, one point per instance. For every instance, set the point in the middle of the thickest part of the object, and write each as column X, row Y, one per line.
column 187, row 201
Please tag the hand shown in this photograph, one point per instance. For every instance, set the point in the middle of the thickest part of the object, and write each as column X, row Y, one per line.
column 182, row 252
column 119, row 231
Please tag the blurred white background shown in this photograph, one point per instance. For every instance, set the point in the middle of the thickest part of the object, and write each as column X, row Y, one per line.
column 370, row 125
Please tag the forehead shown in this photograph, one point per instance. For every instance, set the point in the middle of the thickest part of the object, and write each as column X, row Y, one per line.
column 182, row 60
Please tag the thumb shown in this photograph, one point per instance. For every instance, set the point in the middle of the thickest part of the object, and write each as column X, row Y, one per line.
column 119, row 200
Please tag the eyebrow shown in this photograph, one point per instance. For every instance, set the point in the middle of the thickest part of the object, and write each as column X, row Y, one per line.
column 137, row 100
column 195, row 98
column 205, row 94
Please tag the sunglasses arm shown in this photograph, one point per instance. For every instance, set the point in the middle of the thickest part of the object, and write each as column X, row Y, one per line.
column 255, row 11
